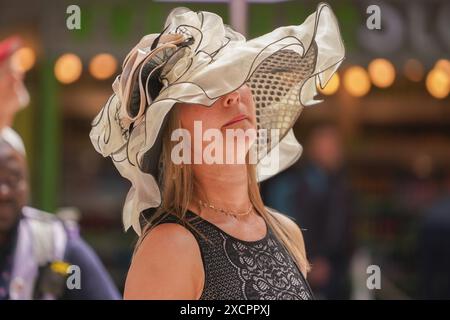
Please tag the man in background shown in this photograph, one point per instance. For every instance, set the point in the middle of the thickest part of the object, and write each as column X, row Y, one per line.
column 38, row 251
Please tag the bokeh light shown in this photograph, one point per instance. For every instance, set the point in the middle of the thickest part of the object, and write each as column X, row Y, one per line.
column 103, row 66
column 438, row 83
column 332, row 85
column 381, row 72
column 413, row 70
column 68, row 68
column 356, row 81
column 23, row 59
column 444, row 65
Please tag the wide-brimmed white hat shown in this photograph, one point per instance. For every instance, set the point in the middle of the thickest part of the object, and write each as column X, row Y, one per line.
column 197, row 59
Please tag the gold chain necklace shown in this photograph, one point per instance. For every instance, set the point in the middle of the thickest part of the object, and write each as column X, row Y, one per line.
column 226, row 212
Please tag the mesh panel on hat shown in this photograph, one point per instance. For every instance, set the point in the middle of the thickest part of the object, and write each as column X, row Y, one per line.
column 276, row 85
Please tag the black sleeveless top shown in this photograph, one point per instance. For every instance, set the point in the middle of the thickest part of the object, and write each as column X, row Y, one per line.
column 244, row 270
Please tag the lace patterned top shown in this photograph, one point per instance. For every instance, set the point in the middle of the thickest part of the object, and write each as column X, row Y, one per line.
column 244, row 270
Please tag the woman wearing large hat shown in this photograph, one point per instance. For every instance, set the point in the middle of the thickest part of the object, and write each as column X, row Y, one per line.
column 204, row 230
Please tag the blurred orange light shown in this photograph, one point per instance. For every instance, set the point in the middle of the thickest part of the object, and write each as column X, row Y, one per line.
column 413, row 70
column 68, row 68
column 103, row 66
column 438, row 83
column 23, row 59
column 444, row 65
column 382, row 73
column 356, row 81
column 332, row 85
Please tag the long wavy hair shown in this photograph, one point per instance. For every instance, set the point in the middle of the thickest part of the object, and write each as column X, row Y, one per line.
column 177, row 187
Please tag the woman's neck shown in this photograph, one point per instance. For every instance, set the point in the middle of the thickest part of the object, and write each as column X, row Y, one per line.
column 224, row 186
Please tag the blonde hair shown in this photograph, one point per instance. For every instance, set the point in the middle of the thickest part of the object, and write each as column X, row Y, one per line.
column 177, row 190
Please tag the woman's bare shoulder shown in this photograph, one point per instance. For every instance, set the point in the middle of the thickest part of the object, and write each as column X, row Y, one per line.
column 167, row 265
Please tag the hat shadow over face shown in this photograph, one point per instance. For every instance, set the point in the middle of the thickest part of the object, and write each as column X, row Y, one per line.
column 230, row 119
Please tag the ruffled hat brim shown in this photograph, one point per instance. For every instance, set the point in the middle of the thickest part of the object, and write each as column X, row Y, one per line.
column 282, row 68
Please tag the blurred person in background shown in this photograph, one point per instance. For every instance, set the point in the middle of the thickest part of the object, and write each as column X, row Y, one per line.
column 36, row 248
column 13, row 93
column 318, row 196
column 434, row 243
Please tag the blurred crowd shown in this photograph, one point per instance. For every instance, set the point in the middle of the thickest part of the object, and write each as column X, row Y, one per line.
column 318, row 194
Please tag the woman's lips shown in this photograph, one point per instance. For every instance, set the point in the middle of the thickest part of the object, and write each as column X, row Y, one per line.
column 235, row 119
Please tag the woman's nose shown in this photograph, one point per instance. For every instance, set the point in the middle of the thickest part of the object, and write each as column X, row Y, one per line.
column 233, row 98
